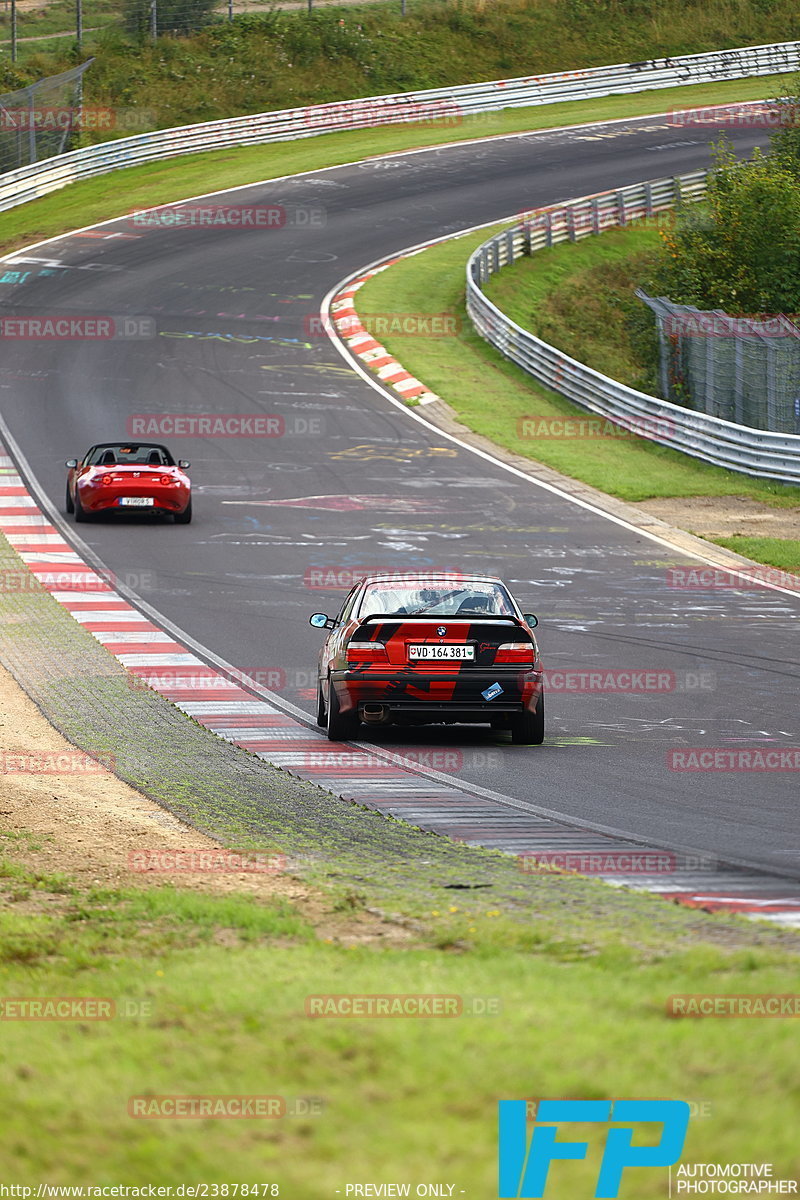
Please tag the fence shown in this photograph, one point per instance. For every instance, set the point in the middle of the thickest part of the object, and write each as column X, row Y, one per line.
column 22, row 27
column 36, row 121
column 721, row 442
column 440, row 105
column 737, row 368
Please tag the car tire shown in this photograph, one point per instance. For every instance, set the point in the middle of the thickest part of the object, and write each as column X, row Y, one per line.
column 528, row 730
column 322, row 718
column 70, row 507
column 185, row 517
column 80, row 512
column 340, row 726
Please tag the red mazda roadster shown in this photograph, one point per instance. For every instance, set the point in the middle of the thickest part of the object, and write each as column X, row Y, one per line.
column 141, row 476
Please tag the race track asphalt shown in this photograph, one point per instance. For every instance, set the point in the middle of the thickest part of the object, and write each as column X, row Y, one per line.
column 354, row 483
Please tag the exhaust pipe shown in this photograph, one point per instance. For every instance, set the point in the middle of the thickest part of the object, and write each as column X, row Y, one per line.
column 374, row 714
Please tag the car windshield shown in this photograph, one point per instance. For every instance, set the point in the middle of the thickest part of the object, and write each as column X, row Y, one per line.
column 139, row 454
column 436, row 598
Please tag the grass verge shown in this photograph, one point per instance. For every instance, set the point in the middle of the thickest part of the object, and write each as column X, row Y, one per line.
column 210, row 995
column 158, row 183
column 783, row 553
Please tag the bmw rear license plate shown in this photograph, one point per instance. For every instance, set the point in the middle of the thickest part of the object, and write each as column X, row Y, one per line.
column 136, row 501
column 461, row 652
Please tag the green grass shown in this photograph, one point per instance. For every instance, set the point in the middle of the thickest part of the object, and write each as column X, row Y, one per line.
column 579, row 297
column 783, row 553
column 491, row 395
column 215, row 989
column 276, row 60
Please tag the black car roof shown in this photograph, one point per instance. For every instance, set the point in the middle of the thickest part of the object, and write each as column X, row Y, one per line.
column 443, row 575
column 129, row 442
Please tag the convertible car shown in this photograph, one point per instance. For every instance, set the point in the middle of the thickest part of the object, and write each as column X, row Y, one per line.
column 425, row 649
column 113, row 476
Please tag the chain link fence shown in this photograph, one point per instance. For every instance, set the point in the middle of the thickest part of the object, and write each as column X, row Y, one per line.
column 36, row 122
column 28, row 27
column 739, row 369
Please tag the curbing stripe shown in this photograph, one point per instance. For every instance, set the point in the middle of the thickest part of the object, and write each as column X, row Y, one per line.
column 351, row 772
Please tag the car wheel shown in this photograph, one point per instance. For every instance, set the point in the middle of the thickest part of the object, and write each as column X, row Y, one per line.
column 340, row 725
column 322, row 718
column 184, row 518
column 70, row 507
column 80, row 512
column 528, row 730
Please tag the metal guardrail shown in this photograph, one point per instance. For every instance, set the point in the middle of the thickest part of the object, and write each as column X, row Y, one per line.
column 736, row 447
column 435, row 106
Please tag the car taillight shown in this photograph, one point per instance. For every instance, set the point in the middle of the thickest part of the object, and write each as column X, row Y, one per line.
column 366, row 652
column 107, row 479
column 515, row 652
column 166, row 479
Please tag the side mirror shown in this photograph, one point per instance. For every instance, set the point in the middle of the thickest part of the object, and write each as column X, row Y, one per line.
column 71, row 462
column 532, row 620
column 321, row 621
column 184, row 464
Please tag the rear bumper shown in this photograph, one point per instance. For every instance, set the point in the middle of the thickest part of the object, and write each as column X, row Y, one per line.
column 97, row 500
column 436, row 696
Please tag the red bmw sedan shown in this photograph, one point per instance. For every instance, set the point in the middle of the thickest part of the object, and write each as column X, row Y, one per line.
column 422, row 649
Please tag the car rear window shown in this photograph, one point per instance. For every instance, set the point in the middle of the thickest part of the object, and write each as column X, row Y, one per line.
column 434, row 598
column 130, row 453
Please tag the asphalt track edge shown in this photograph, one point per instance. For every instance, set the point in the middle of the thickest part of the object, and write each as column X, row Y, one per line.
column 302, row 718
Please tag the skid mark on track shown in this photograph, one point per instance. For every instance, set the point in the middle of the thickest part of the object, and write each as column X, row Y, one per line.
column 363, row 774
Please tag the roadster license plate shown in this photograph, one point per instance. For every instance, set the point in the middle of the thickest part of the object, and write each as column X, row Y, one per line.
column 450, row 651
column 136, row 501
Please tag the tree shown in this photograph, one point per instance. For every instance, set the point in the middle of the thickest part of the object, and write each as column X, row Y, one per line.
column 785, row 138
column 740, row 250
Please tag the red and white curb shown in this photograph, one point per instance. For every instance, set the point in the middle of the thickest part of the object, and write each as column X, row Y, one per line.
column 363, row 345
column 154, row 658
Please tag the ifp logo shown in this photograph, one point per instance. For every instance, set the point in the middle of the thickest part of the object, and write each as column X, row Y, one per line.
column 524, row 1168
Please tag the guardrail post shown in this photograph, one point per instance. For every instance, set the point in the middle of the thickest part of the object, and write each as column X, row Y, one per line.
column 510, row 245
column 738, row 392
column 571, row 223
column 595, row 215
column 648, row 198
column 548, row 230
column 495, row 255
column 772, row 414
column 621, row 218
